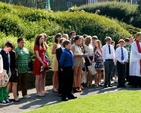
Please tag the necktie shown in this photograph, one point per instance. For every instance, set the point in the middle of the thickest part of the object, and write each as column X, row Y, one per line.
column 109, row 49
column 122, row 55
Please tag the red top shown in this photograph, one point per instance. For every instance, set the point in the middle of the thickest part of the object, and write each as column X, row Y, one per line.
column 37, row 63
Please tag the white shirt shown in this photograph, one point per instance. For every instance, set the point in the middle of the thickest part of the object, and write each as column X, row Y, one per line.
column 89, row 49
column 105, row 52
column 118, row 54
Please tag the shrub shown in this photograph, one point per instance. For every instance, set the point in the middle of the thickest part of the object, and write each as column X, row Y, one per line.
column 122, row 11
column 90, row 24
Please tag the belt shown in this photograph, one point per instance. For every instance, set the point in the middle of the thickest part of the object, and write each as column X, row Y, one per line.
column 108, row 59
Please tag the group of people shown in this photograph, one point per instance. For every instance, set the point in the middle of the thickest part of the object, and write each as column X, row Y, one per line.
column 15, row 62
column 73, row 55
column 72, row 73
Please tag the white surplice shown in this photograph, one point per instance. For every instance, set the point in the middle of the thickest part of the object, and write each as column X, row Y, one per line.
column 1, row 64
column 135, row 57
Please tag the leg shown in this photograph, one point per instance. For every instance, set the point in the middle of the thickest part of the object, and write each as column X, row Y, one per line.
column 14, row 90
column 111, row 65
column 24, row 84
column 75, row 76
column 99, row 77
column 123, row 75
column 9, row 87
column 5, row 93
column 37, row 84
column 43, row 83
column 60, row 82
column 119, row 73
column 107, row 73
column 55, row 81
column 1, row 94
column 79, row 75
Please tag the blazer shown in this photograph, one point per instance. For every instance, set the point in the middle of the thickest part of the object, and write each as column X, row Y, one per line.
column 58, row 53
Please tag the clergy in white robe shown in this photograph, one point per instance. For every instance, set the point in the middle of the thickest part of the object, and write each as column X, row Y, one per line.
column 1, row 64
column 134, row 68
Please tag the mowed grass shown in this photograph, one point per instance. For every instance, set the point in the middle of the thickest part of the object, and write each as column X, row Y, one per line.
column 126, row 101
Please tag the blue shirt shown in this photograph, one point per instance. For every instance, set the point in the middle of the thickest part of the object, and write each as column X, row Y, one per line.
column 67, row 59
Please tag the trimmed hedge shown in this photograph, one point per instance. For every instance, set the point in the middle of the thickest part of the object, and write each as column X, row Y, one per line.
column 122, row 11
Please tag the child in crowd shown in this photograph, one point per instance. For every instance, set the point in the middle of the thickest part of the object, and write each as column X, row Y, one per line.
column 6, row 65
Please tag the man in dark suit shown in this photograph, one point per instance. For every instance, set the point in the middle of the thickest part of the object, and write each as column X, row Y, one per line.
column 58, row 55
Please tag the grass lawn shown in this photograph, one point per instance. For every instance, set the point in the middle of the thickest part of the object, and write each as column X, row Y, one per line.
column 125, row 101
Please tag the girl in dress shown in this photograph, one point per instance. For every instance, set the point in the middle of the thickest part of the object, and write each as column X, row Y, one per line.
column 39, row 65
column 56, row 45
column 78, row 62
column 98, row 62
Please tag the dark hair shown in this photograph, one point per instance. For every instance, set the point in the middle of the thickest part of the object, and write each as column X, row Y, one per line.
column 112, row 42
column 95, row 37
column 77, row 37
column 61, row 40
column 56, row 36
column 71, row 33
column 66, row 42
column 37, row 41
column 127, row 40
column 9, row 44
column 20, row 39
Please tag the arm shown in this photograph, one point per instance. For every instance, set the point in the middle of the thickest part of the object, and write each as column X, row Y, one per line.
column 1, row 66
column 62, row 59
column 103, row 53
column 126, row 56
column 54, row 49
column 39, row 58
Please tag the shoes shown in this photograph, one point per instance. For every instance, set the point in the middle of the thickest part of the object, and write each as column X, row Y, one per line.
column 26, row 96
column 119, row 86
column 8, row 101
column 73, row 97
column 124, row 86
column 105, row 86
column 40, row 95
column 110, row 86
column 55, row 90
column 16, row 100
column 46, row 93
column 64, row 99
column 4, row 103
column 76, row 90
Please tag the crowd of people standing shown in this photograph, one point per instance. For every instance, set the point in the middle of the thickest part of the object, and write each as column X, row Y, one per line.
column 74, row 57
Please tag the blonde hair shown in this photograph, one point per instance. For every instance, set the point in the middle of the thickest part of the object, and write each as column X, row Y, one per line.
column 138, row 34
column 88, row 40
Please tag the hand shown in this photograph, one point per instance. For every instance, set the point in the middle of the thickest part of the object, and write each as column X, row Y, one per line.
column 61, row 69
column 122, row 63
column 44, row 65
column 16, row 69
column 0, row 75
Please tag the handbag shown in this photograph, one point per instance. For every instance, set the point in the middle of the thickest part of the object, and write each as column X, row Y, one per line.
column 91, row 69
column 46, row 61
column 4, row 79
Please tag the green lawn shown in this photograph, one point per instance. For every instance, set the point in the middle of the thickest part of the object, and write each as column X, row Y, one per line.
column 114, row 102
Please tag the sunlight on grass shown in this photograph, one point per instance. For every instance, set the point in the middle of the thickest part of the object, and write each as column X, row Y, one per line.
column 115, row 102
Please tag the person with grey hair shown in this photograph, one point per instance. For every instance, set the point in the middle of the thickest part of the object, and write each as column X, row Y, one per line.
column 108, row 58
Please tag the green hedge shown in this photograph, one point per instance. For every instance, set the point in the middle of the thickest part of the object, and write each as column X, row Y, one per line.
column 122, row 11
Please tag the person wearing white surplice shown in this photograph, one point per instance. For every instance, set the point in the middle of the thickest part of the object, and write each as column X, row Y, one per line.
column 121, row 57
column 135, row 62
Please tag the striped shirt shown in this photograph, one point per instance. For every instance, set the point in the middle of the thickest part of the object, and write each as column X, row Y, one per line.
column 22, row 58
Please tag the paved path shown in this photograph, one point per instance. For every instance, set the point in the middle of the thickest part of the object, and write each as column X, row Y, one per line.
column 37, row 102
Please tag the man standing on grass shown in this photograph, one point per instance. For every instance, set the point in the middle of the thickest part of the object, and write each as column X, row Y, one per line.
column 121, row 57
column 108, row 58
column 135, row 62
column 22, row 60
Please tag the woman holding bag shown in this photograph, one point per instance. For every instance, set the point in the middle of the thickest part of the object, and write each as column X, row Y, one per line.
column 39, row 64
column 89, row 59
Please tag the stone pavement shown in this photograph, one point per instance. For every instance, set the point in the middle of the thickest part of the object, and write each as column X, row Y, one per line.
column 52, row 98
